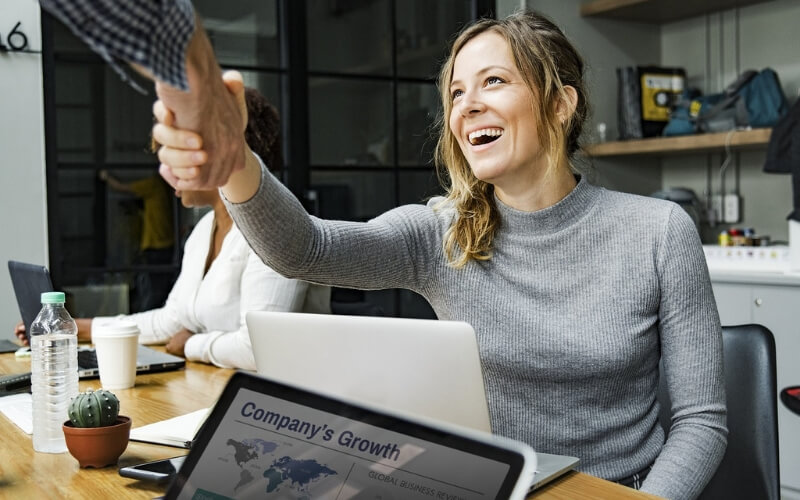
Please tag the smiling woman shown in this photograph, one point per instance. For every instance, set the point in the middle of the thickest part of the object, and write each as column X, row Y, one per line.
column 572, row 320
column 500, row 86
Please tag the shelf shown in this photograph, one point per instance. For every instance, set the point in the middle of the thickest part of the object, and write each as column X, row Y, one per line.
column 698, row 143
column 658, row 11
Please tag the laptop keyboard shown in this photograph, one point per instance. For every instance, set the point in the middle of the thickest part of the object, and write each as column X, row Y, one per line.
column 87, row 358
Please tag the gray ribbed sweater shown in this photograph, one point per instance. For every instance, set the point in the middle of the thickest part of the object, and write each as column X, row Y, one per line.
column 572, row 313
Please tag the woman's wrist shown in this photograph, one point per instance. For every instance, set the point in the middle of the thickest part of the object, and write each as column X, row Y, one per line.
column 244, row 183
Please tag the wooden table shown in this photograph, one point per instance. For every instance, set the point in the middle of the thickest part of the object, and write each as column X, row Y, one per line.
column 26, row 474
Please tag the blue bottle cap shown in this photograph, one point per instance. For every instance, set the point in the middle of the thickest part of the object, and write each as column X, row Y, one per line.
column 53, row 298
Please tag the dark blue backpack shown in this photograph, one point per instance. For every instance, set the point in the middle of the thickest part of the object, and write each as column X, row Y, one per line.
column 764, row 98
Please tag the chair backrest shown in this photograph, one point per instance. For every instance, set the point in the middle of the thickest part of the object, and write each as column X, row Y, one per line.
column 749, row 468
column 357, row 309
column 353, row 302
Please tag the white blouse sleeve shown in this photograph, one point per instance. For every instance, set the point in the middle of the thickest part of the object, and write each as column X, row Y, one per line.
column 262, row 289
column 159, row 325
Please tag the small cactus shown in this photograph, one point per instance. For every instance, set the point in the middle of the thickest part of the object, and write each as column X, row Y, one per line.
column 94, row 409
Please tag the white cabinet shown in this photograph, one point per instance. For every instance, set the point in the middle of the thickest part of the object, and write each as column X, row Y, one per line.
column 776, row 307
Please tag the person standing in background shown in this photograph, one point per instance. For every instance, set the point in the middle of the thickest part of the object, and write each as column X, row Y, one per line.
column 157, row 238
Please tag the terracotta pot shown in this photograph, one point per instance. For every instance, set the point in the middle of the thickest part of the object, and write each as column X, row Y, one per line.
column 98, row 446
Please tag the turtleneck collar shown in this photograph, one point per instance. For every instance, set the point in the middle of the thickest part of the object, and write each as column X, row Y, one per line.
column 565, row 212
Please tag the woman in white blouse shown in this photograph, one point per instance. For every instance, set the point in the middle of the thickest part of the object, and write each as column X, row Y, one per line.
column 220, row 280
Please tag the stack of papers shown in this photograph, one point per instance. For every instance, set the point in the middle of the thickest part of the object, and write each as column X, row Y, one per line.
column 19, row 409
column 178, row 431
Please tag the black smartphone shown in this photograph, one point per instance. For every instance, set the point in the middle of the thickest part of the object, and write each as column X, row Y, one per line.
column 159, row 470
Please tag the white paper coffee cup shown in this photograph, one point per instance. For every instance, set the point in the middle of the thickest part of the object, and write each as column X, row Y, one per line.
column 116, row 343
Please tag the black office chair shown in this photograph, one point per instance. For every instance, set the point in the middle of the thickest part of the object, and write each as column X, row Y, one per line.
column 353, row 302
column 357, row 309
column 791, row 398
column 749, row 468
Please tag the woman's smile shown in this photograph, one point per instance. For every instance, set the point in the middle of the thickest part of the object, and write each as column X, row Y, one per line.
column 492, row 115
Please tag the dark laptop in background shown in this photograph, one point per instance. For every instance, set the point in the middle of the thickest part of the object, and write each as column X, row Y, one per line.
column 270, row 440
column 31, row 280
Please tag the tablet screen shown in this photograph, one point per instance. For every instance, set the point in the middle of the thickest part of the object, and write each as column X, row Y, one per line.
column 267, row 446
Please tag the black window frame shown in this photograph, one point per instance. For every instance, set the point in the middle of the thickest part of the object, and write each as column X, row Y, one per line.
column 294, row 77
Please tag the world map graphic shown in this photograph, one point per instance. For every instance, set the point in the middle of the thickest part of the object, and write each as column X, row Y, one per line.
column 283, row 473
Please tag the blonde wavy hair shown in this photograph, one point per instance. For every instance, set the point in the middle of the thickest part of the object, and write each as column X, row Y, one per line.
column 547, row 62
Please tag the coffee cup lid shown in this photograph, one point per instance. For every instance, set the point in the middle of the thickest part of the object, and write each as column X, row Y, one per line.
column 114, row 327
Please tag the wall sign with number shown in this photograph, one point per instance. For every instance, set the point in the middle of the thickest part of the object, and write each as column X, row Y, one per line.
column 14, row 40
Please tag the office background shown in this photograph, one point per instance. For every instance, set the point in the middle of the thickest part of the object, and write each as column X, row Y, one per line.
column 355, row 113
column 356, row 116
column 355, row 132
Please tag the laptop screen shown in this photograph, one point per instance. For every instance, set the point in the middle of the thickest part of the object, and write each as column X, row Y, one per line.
column 420, row 367
column 268, row 440
column 29, row 282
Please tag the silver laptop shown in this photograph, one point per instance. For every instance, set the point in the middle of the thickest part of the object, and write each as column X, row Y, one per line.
column 147, row 361
column 31, row 280
column 426, row 368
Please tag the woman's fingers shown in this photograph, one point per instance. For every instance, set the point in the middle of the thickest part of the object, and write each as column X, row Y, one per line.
column 168, row 176
column 179, row 153
column 186, row 161
column 162, row 114
column 177, row 177
column 234, row 82
column 176, row 138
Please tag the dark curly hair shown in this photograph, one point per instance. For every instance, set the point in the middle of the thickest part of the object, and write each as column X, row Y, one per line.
column 263, row 132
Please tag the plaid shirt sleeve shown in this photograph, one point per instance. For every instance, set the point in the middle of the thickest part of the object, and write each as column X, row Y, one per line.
column 151, row 33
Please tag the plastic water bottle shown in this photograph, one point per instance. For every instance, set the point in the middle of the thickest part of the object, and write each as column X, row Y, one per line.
column 54, row 372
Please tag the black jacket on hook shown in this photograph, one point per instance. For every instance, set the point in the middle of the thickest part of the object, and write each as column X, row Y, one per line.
column 783, row 153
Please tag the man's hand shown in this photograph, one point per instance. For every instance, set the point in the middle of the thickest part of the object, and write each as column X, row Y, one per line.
column 212, row 111
column 177, row 343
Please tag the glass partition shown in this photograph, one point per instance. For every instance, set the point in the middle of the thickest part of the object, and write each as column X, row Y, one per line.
column 350, row 36
column 350, row 122
column 424, row 30
column 244, row 33
column 353, row 80
column 417, row 113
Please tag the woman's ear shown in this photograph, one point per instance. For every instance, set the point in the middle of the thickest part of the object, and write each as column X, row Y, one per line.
column 567, row 103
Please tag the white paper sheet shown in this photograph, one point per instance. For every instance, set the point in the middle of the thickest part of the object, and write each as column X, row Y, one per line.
column 19, row 409
column 178, row 431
